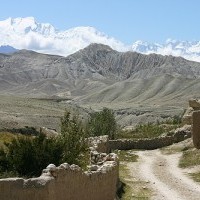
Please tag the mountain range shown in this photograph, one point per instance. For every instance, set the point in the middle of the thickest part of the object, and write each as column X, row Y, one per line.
column 93, row 70
column 135, row 85
column 27, row 33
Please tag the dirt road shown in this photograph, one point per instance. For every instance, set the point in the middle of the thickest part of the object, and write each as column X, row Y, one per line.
column 166, row 180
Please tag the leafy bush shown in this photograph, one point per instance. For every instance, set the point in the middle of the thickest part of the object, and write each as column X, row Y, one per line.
column 72, row 139
column 27, row 156
column 102, row 123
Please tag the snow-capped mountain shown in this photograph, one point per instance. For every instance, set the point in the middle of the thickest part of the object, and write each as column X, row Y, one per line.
column 186, row 49
column 27, row 33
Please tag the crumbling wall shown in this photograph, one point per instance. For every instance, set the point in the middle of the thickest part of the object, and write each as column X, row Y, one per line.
column 192, row 116
column 149, row 144
column 194, row 105
column 100, row 143
column 67, row 182
column 196, row 129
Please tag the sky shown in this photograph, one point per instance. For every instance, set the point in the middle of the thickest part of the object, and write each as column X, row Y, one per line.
column 125, row 20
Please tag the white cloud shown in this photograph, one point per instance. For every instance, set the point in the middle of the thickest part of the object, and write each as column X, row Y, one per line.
column 26, row 33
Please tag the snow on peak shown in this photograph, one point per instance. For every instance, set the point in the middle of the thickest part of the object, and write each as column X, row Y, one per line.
column 27, row 33
column 188, row 50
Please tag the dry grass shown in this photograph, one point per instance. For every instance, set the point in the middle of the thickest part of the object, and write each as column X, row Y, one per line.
column 178, row 147
column 6, row 137
column 190, row 158
column 149, row 130
column 133, row 189
column 126, row 156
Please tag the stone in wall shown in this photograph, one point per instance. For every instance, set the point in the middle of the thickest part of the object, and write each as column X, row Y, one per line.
column 100, row 143
column 195, row 104
column 187, row 117
column 196, row 129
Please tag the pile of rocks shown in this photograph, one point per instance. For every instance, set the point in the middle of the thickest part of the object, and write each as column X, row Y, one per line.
column 99, row 143
column 102, row 161
column 99, row 159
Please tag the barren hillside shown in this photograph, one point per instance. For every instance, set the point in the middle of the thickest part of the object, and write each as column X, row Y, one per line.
column 99, row 76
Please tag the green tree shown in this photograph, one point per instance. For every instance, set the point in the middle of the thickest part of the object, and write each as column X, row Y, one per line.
column 73, row 139
column 102, row 123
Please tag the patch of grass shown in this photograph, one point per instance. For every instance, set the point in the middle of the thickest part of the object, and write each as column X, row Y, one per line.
column 126, row 156
column 190, row 158
column 195, row 176
column 132, row 189
column 6, row 137
column 149, row 130
column 177, row 148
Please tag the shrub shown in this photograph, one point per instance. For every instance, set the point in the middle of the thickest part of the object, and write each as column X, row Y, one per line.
column 28, row 156
column 73, row 139
column 102, row 123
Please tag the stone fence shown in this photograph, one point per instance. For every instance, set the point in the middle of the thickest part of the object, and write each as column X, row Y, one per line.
column 192, row 116
column 149, row 144
column 67, row 182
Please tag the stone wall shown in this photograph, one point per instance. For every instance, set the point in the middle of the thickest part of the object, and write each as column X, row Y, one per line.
column 64, row 183
column 196, row 129
column 194, row 105
column 192, row 116
column 154, row 143
column 68, row 182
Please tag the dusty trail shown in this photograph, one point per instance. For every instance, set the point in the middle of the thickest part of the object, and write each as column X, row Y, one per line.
column 167, row 181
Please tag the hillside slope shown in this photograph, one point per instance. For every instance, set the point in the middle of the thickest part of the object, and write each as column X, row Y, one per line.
column 99, row 76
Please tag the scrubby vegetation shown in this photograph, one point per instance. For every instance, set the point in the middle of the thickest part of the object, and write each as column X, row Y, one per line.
column 126, row 156
column 102, row 123
column 190, row 157
column 150, row 130
column 27, row 155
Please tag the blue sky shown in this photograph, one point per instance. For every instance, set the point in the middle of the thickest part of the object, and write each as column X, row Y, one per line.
column 126, row 20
